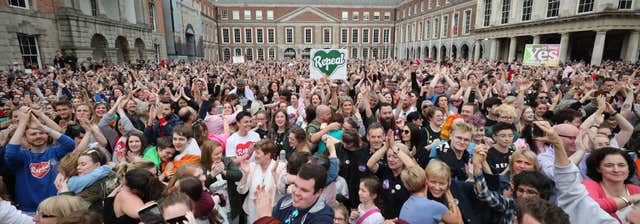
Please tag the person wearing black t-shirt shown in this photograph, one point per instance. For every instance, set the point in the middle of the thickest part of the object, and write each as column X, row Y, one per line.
column 455, row 151
column 353, row 158
column 498, row 156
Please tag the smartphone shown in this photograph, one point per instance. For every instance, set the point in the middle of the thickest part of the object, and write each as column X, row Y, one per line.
column 176, row 220
column 536, row 131
column 219, row 110
column 151, row 215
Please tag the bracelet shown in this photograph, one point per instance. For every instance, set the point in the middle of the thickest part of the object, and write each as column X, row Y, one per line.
column 626, row 201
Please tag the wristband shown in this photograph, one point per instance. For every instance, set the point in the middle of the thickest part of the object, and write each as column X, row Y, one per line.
column 626, row 201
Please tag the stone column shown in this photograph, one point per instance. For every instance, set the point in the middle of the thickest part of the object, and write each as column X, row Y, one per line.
column 536, row 39
column 632, row 46
column 564, row 46
column 512, row 48
column 493, row 52
column 598, row 47
column 476, row 51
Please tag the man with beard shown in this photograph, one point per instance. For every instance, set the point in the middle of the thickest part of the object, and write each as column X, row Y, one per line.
column 245, row 95
column 35, row 167
column 388, row 121
column 315, row 129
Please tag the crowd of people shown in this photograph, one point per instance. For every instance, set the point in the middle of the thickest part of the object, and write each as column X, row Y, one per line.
column 399, row 141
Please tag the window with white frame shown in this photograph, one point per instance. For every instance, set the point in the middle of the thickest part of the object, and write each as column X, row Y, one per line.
column 437, row 3
column 289, row 35
column 226, row 54
column 419, row 33
column 585, row 6
column 271, row 35
column 224, row 14
column 237, row 51
column 553, row 6
column 365, row 53
column 271, row 53
column 385, row 35
column 527, row 6
column 345, row 15
column 409, row 9
column 365, row 35
column 408, row 33
column 260, row 54
column 236, row 14
column 248, row 37
column 467, row 22
column 427, row 35
column 376, row 35
column 258, row 14
column 422, row 5
column 376, row 16
column 269, row 14
column 487, row 13
column 225, row 35
column 259, row 35
column 374, row 53
column 445, row 26
column 29, row 50
column 152, row 14
column 247, row 14
column 308, row 35
column 506, row 7
column 236, row 35
column 354, row 52
column 387, row 16
column 365, row 16
column 355, row 16
column 344, row 35
column 385, row 53
column 436, row 28
column 326, row 35
column 454, row 23
column 19, row 3
column 625, row 4
column 415, row 9
column 354, row 36
column 428, row 4
column 249, row 54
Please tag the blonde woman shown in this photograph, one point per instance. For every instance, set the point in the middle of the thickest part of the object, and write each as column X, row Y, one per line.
column 56, row 207
column 348, row 110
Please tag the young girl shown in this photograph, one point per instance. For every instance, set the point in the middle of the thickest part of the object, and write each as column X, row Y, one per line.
column 368, row 212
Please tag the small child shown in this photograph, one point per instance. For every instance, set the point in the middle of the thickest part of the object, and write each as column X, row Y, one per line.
column 368, row 212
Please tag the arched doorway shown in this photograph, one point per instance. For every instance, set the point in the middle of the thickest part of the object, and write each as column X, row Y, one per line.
column 434, row 52
column 306, row 53
column 426, row 52
column 418, row 51
column 139, row 45
column 99, row 44
column 443, row 53
column 407, row 53
column 465, row 51
column 454, row 52
column 122, row 52
column 190, row 41
column 290, row 53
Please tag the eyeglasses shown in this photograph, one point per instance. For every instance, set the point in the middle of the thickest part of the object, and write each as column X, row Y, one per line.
column 293, row 216
column 542, row 97
column 406, row 131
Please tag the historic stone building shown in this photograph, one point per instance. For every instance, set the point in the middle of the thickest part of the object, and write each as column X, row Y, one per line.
column 590, row 30
column 183, row 29
column 210, row 31
column 436, row 29
column 118, row 31
column 270, row 29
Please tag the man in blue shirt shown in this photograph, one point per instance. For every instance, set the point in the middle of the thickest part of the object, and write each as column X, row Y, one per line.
column 304, row 204
column 36, row 167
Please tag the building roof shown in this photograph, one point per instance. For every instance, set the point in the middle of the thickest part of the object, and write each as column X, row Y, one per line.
column 324, row 3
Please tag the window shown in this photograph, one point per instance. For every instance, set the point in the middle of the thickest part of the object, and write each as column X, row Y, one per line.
column 355, row 16
column 237, row 51
column 156, row 50
column 419, row 33
column 527, row 5
column 354, row 52
column 374, row 53
column 376, row 35
column 248, row 37
column 429, row 4
column 408, row 34
column 354, row 36
column 445, row 26
column 258, row 14
column 365, row 53
column 249, row 54
column 365, row 35
column 385, row 53
column 236, row 14
column 152, row 16
column 94, row 9
column 236, row 35
column 624, row 4
column 365, row 16
column 585, row 6
column 552, row 8
column 326, row 35
column 271, row 53
column 385, row 35
column 247, row 14
column 226, row 53
column 487, row 12
column 436, row 28
column 437, row 3
column 409, row 11
column 225, row 35
column 387, row 16
column 344, row 37
column 428, row 33
column 506, row 6
column 376, row 16
column 259, row 35
column 467, row 22
column 308, row 35
column 422, row 5
column 271, row 36
column 289, row 35
column 454, row 23
column 269, row 14
column 224, row 14
column 29, row 50
column 19, row 3
column 345, row 15
column 415, row 10
column 260, row 54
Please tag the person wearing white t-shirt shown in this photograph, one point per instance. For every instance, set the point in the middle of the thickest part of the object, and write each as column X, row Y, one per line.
column 241, row 142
